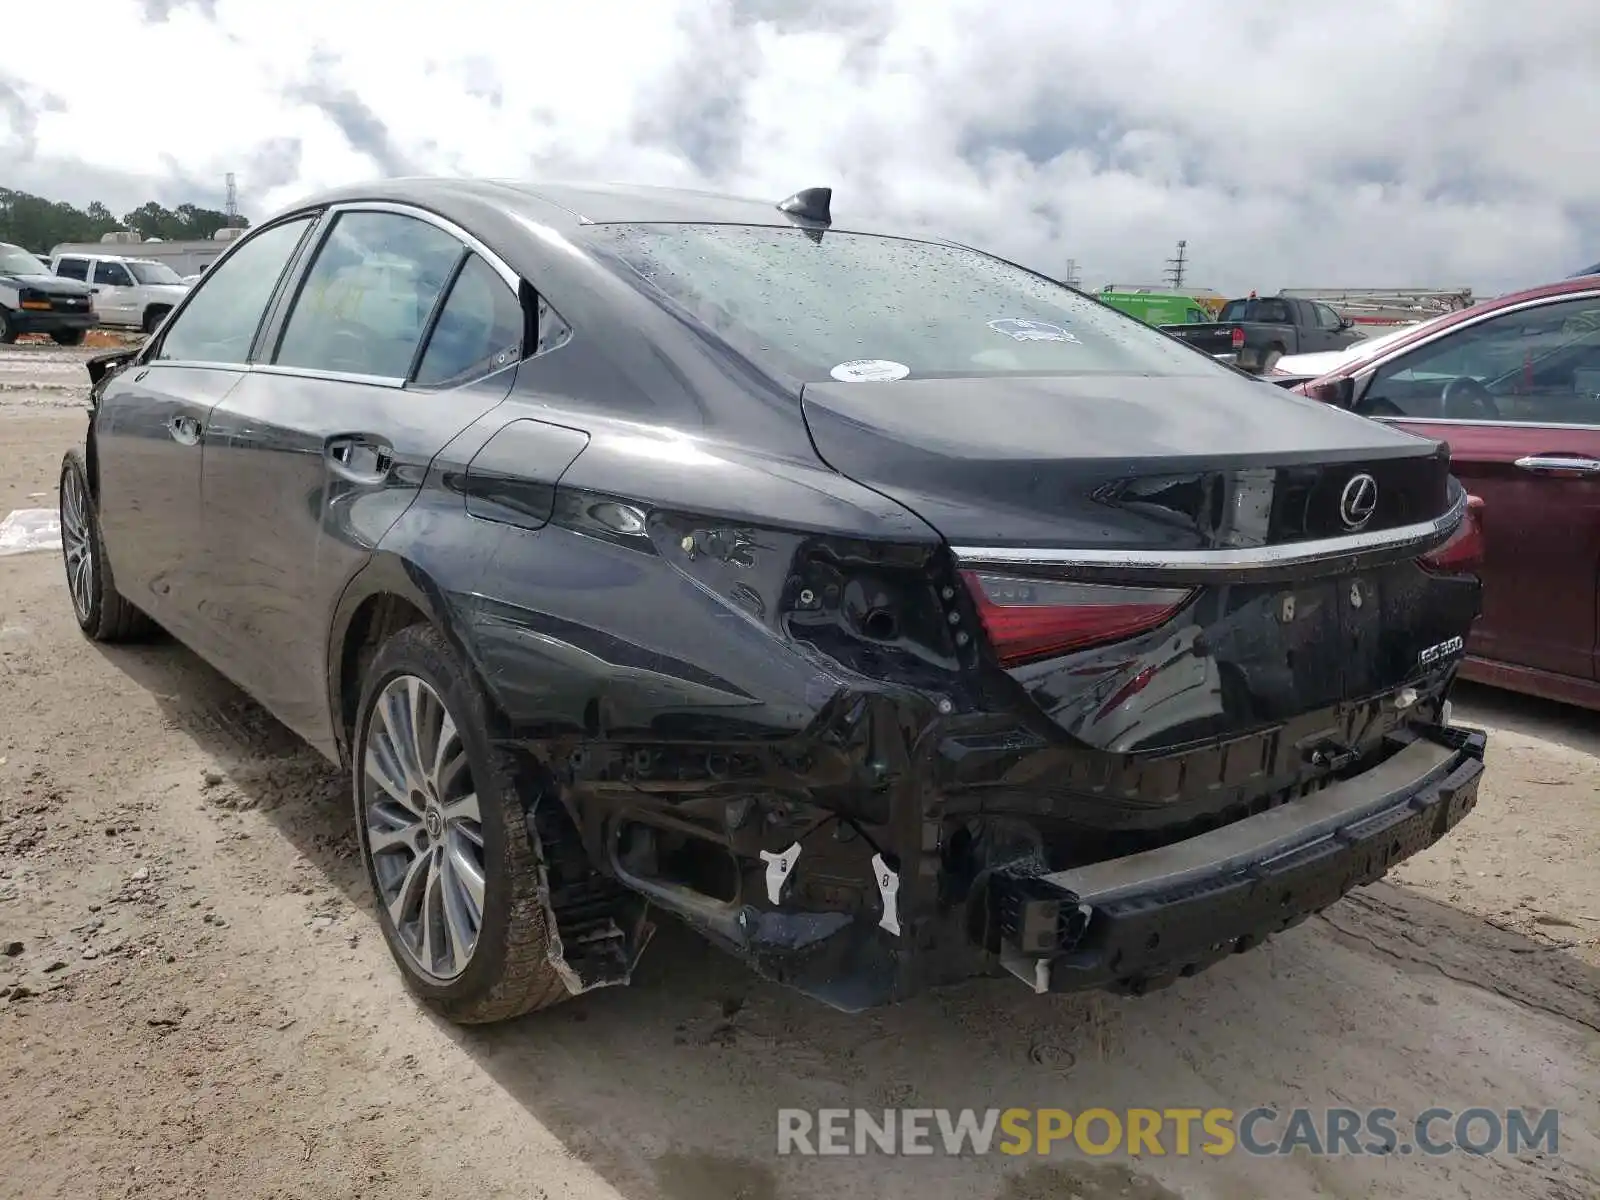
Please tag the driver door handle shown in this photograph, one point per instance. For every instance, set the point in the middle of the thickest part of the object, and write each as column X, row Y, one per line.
column 1560, row 464
column 184, row 430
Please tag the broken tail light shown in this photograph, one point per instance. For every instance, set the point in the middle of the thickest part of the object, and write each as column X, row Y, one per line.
column 1463, row 553
column 1028, row 619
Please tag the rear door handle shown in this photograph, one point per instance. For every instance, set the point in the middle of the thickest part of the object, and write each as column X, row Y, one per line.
column 360, row 460
column 1560, row 464
column 184, row 430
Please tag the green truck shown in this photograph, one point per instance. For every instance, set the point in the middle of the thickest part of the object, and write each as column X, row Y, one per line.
column 1158, row 308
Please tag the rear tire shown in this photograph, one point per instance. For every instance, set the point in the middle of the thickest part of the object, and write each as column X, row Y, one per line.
column 67, row 337
column 101, row 611
column 457, row 875
column 1270, row 359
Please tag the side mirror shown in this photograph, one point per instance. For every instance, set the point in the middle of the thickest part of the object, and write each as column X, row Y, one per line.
column 102, row 365
column 1339, row 392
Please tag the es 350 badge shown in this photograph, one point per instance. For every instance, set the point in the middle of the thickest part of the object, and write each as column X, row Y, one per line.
column 1442, row 651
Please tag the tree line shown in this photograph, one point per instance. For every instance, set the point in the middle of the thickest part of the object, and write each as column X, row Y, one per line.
column 36, row 224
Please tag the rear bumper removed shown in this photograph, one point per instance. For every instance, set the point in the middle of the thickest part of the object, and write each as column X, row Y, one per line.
column 1137, row 923
column 1130, row 924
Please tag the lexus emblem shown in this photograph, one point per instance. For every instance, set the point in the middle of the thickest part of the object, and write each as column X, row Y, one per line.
column 1358, row 501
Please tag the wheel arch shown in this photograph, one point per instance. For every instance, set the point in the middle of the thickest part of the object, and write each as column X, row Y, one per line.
column 385, row 596
column 91, row 461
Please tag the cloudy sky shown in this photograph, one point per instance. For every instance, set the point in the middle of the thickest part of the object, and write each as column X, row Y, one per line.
column 1331, row 143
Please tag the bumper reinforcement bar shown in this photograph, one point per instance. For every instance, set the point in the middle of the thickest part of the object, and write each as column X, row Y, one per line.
column 1135, row 924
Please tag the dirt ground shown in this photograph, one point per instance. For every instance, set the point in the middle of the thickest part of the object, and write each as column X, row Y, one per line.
column 201, row 1004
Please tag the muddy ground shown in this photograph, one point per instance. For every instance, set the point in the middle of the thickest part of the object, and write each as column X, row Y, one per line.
column 201, row 1003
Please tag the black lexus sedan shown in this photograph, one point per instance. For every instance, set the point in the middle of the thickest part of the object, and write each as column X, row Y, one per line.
column 888, row 612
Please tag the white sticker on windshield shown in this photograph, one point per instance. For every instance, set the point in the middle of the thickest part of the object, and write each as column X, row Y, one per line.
column 869, row 370
column 1021, row 329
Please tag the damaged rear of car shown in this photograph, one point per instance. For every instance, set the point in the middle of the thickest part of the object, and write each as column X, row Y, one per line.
column 887, row 612
column 1170, row 674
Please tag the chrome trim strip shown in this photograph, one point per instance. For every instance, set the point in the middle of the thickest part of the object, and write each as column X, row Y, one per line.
column 388, row 381
column 509, row 277
column 1289, row 554
column 1501, row 424
column 199, row 363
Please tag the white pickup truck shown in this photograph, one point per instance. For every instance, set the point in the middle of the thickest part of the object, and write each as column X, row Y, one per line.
column 130, row 292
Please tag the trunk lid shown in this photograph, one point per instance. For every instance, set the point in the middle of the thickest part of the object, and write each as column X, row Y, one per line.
column 1120, row 462
column 1029, row 479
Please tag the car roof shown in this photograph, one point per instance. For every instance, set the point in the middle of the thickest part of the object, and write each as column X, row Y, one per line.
column 579, row 203
column 1562, row 287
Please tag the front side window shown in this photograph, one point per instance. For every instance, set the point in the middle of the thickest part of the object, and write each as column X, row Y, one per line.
column 154, row 272
column 862, row 307
column 1538, row 364
column 479, row 329
column 366, row 299
column 73, row 268
column 1327, row 318
column 112, row 274
column 219, row 322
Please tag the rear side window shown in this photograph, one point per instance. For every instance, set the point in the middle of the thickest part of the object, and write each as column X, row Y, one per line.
column 219, row 322
column 366, row 301
column 73, row 268
column 479, row 329
column 862, row 307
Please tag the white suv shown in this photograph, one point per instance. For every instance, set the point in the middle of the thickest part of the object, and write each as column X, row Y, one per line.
column 136, row 292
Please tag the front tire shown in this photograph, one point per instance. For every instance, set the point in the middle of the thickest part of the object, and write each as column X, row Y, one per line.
column 8, row 330
column 453, row 864
column 101, row 611
column 67, row 337
column 153, row 317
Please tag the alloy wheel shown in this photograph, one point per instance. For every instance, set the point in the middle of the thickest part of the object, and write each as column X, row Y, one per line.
column 76, row 544
column 423, row 828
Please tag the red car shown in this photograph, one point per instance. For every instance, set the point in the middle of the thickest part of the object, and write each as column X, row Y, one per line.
column 1513, row 385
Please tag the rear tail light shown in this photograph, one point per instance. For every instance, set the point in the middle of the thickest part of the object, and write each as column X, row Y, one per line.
column 1463, row 553
column 1028, row 619
column 1238, row 338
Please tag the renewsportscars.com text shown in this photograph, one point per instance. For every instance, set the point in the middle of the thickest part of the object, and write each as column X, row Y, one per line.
column 1214, row 1132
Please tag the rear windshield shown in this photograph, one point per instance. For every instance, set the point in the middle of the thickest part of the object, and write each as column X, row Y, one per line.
column 1272, row 312
column 859, row 307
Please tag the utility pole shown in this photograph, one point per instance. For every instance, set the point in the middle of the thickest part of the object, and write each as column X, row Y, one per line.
column 232, row 207
column 1175, row 266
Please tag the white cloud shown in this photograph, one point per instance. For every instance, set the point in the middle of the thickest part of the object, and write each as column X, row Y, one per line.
column 1360, row 142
